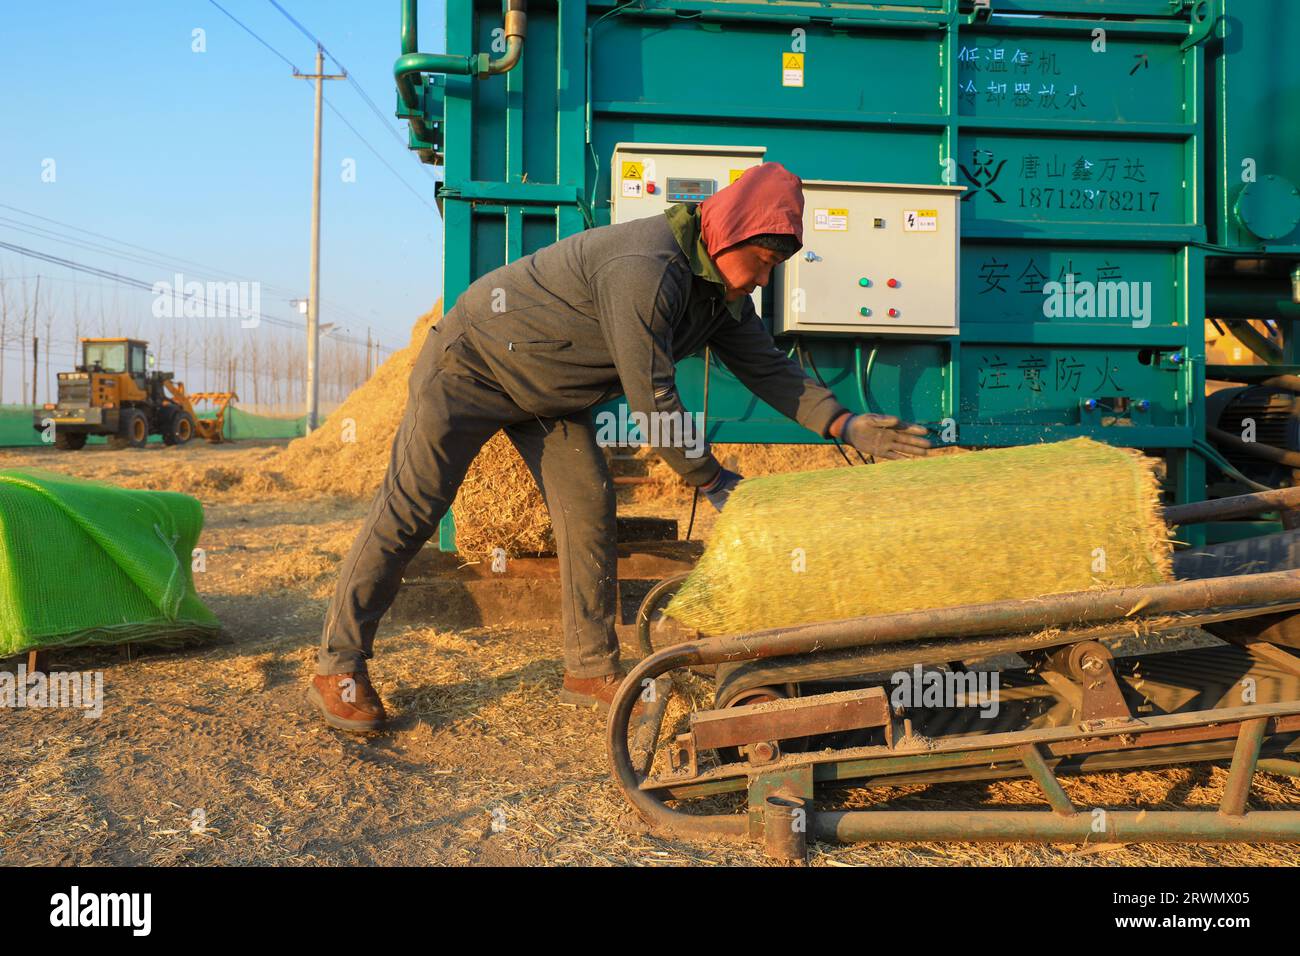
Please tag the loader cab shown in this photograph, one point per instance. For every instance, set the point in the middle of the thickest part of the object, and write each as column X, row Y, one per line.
column 100, row 355
column 117, row 356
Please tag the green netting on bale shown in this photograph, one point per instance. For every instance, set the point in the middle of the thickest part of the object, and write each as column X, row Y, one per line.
column 1004, row 524
column 87, row 563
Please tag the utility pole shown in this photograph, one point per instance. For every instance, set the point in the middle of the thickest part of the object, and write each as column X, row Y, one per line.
column 313, row 303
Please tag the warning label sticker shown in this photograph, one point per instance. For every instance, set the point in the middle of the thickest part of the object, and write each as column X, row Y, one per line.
column 920, row 220
column 831, row 220
column 792, row 69
column 633, row 185
column 734, row 175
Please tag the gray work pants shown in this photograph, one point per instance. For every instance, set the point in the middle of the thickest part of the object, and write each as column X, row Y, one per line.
column 451, row 411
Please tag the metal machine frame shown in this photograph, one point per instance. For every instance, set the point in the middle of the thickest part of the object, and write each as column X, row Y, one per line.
column 1179, row 99
column 1063, row 631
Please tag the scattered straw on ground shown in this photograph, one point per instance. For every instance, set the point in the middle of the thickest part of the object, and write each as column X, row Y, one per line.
column 209, row 755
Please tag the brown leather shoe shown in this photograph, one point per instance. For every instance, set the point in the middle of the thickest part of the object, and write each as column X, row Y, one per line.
column 595, row 691
column 351, row 706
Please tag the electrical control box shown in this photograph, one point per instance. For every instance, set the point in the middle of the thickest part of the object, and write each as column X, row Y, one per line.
column 877, row 258
column 650, row 177
column 647, row 178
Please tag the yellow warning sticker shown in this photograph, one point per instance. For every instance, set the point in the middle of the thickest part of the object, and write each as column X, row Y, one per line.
column 831, row 220
column 792, row 69
column 920, row 220
column 631, row 170
column 735, row 174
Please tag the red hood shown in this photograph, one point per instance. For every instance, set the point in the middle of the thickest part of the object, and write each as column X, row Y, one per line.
column 766, row 198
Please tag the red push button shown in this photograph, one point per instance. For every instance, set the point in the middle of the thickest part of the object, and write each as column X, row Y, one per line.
column 650, row 187
column 893, row 283
column 894, row 313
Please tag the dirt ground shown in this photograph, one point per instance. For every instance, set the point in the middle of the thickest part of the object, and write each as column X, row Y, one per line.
column 210, row 754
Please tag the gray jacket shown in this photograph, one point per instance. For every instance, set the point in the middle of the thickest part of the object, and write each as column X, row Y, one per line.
column 611, row 311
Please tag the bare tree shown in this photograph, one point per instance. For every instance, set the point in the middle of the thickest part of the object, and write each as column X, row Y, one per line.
column 49, row 341
column 76, row 328
column 4, row 330
column 22, row 343
column 103, row 315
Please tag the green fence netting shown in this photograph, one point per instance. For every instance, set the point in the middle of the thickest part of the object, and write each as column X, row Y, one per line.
column 16, row 426
column 87, row 563
column 242, row 424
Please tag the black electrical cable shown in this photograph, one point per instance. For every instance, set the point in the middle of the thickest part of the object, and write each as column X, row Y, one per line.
column 838, row 447
column 695, row 496
column 813, row 362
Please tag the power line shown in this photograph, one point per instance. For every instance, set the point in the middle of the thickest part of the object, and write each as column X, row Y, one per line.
column 388, row 125
column 175, row 263
column 345, row 122
column 247, row 29
column 52, row 235
column 116, row 277
column 163, row 257
column 141, row 285
column 348, row 76
column 307, row 33
column 361, row 92
column 44, row 233
column 379, row 114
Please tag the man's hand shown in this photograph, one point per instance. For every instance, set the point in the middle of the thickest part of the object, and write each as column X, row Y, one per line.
column 720, row 488
column 885, row 436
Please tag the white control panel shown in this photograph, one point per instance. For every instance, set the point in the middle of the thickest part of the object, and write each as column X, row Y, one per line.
column 650, row 177
column 647, row 178
column 876, row 258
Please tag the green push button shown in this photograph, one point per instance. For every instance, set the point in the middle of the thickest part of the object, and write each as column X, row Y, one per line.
column 864, row 311
column 864, row 282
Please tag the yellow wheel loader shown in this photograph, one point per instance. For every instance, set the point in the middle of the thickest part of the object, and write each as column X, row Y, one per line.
column 113, row 392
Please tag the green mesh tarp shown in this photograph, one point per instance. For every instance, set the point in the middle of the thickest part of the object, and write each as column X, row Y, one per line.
column 88, row 563
column 16, row 426
column 997, row 525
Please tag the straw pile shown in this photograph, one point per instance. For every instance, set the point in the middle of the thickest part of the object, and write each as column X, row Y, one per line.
column 1003, row 524
column 352, row 461
column 498, row 505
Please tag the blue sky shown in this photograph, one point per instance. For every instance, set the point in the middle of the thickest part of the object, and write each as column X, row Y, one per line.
column 207, row 156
